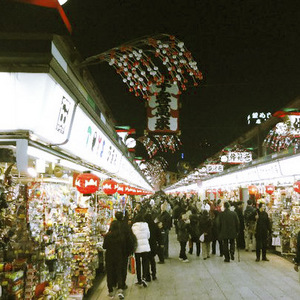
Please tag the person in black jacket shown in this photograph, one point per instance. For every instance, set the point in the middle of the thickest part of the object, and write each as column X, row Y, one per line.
column 228, row 228
column 155, row 242
column 194, row 232
column 297, row 258
column 263, row 228
column 115, row 245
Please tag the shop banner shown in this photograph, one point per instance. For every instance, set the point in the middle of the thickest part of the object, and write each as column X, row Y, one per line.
column 269, row 171
column 163, row 109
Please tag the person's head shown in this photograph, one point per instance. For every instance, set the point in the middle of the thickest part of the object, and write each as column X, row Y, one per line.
column 249, row 202
column 139, row 218
column 226, row 205
column 148, row 218
column 261, row 206
column 119, row 215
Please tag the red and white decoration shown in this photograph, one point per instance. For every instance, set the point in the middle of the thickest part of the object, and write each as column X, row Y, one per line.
column 87, row 183
column 296, row 186
column 109, row 187
column 270, row 189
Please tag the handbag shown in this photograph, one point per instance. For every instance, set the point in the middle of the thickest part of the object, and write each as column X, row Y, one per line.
column 131, row 264
column 202, row 237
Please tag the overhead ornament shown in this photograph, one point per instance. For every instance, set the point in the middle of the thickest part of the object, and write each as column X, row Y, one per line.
column 150, row 61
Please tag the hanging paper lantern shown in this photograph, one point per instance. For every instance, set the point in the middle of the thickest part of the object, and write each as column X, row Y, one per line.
column 121, row 189
column 252, row 189
column 296, row 186
column 109, row 187
column 87, row 183
column 270, row 189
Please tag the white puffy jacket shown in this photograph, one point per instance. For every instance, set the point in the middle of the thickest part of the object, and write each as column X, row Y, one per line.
column 142, row 233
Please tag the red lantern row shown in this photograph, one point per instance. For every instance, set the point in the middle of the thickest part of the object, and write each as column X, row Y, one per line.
column 110, row 187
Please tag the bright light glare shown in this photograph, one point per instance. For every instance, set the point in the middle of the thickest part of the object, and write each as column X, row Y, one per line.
column 62, row 2
column 32, row 172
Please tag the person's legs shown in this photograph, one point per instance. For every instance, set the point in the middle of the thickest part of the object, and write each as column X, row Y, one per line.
column 258, row 247
column 198, row 248
column 182, row 250
column 226, row 250
column 247, row 238
column 138, row 266
column 152, row 265
column 166, row 244
column 204, row 250
column 232, row 248
column 220, row 247
column 146, row 266
column 213, row 246
column 264, row 249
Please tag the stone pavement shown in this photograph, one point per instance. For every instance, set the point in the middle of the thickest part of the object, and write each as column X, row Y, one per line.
column 214, row 279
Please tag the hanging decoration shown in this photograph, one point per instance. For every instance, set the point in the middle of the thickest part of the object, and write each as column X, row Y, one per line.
column 270, row 189
column 87, row 183
column 109, row 187
column 154, row 170
column 285, row 134
column 168, row 142
column 296, row 186
column 252, row 189
column 150, row 146
column 150, row 61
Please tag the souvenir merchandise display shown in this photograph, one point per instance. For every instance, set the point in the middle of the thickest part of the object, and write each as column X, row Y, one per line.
column 285, row 216
column 51, row 238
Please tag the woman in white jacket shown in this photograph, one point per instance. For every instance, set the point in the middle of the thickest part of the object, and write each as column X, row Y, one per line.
column 141, row 231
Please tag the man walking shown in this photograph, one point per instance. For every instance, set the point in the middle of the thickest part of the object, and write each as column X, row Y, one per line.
column 228, row 225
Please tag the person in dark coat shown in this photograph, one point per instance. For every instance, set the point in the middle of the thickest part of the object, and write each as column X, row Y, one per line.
column 166, row 220
column 155, row 242
column 297, row 257
column 228, row 225
column 241, row 236
column 130, row 243
column 215, row 234
column 194, row 232
column 115, row 245
column 183, row 235
column 249, row 222
column 205, row 226
column 263, row 229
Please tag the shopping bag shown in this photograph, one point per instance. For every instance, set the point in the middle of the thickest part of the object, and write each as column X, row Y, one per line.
column 202, row 237
column 131, row 264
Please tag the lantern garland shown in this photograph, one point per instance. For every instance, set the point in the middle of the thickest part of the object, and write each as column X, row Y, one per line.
column 154, row 170
column 150, row 146
column 138, row 62
column 168, row 142
column 281, row 137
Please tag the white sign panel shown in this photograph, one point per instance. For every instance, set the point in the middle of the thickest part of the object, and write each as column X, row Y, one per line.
column 269, row 171
column 89, row 142
column 214, row 168
column 35, row 102
column 236, row 157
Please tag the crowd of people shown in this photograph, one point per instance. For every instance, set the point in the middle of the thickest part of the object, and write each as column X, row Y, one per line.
column 205, row 226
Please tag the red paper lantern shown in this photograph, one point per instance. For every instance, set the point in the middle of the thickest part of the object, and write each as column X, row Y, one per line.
column 121, row 189
column 296, row 186
column 270, row 189
column 87, row 183
column 109, row 187
column 252, row 189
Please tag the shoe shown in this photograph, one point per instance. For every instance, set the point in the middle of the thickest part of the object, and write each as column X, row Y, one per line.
column 257, row 259
column 139, row 283
column 232, row 256
column 161, row 262
column 121, row 296
column 111, row 294
column 180, row 258
column 246, row 250
column 125, row 287
column 226, row 260
column 147, row 279
column 191, row 252
column 204, row 258
column 144, row 283
column 185, row 261
column 265, row 259
column 208, row 256
column 154, row 277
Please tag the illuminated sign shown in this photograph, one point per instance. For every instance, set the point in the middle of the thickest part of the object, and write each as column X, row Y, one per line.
column 236, row 157
column 214, row 168
column 258, row 117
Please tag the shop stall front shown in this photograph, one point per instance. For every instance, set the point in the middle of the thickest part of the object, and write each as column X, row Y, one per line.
column 55, row 156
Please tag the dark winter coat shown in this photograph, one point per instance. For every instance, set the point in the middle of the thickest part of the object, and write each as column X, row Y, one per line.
column 194, row 227
column 155, row 237
column 183, row 231
column 263, row 225
column 249, row 214
column 206, row 225
column 228, row 224
column 166, row 220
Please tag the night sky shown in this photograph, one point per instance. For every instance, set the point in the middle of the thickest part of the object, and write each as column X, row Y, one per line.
column 248, row 52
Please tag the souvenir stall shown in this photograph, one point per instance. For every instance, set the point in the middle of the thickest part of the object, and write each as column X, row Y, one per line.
column 53, row 208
